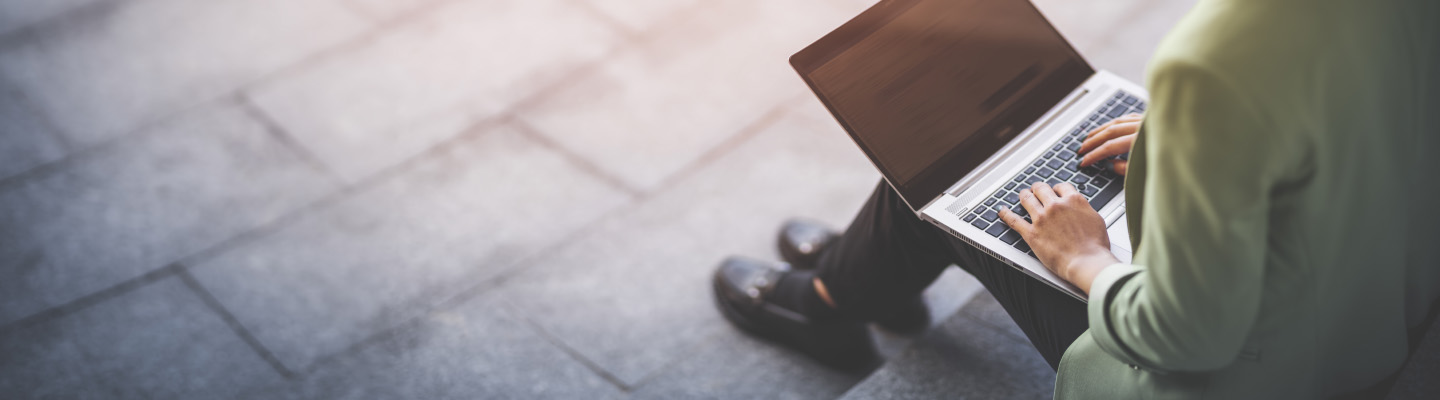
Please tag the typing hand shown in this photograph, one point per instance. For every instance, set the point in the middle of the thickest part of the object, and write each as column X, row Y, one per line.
column 1067, row 235
column 1109, row 140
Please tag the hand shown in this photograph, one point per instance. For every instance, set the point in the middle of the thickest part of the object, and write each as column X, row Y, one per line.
column 1068, row 236
column 1109, row 140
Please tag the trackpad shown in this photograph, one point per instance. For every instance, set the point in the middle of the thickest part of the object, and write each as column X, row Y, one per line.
column 1120, row 239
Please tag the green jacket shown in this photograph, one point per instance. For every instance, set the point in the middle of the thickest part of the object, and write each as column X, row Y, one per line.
column 1282, row 200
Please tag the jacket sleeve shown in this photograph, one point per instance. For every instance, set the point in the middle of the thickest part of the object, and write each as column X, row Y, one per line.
column 1191, row 298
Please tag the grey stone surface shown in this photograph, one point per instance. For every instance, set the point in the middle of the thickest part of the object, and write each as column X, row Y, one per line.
column 386, row 254
column 387, row 10
column 689, row 86
column 184, row 186
column 424, row 82
column 136, row 61
column 26, row 138
column 475, row 351
column 732, row 365
column 17, row 14
column 640, row 15
column 634, row 294
column 157, row 342
column 963, row 358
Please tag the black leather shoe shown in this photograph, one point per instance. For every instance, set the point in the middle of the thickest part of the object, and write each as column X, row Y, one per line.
column 742, row 289
column 801, row 242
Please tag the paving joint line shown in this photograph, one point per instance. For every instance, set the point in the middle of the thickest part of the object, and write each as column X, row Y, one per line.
column 580, row 162
column 141, row 127
column 87, row 301
column 286, row 139
column 230, row 320
column 620, row 28
column 575, row 354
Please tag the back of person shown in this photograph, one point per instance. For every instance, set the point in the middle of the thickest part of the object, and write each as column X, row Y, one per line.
column 1339, row 102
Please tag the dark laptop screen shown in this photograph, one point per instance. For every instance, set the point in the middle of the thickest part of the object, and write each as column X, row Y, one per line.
column 930, row 88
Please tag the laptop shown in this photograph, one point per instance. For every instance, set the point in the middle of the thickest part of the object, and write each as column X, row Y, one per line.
column 962, row 103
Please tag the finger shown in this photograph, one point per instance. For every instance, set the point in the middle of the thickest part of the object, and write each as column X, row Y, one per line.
column 1043, row 192
column 1122, row 119
column 1109, row 149
column 1027, row 200
column 1015, row 221
column 1065, row 189
column 1110, row 133
column 1120, row 166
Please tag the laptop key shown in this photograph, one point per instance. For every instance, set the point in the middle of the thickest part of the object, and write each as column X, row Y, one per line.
column 1019, row 210
column 1054, row 164
column 1045, row 172
column 1022, row 246
column 998, row 229
column 1010, row 236
column 1063, row 175
column 990, row 202
column 1130, row 100
column 1032, row 179
column 1105, row 195
column 1116, row 112
column 1074, row 146
column 968, row 217
column 1029, row 170
column 1052, row 182
column 1079, row 179
column 1012, row 198
column 1089, row 191
column 1066, row 155
column 990, row 215
column 980, row 224
column 1009, row 186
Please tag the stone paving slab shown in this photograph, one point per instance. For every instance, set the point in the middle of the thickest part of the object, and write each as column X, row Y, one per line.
column 640, row 15
column 635, row 294
column 963, row 358
column 732, row 366
column 29, row 141
column 132, row 62
column 17, row 14
column 386, row 254
column 475, row 351
column 167, row 193
column 157, row 342
column 696, row 81
column 414, row 87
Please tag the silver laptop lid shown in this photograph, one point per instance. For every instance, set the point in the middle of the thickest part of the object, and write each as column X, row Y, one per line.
column 931, row 88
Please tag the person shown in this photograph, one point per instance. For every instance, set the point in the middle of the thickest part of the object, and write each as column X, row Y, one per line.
column 1280, row 194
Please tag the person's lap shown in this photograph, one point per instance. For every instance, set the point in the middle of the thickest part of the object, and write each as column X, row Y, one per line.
column 889, row 254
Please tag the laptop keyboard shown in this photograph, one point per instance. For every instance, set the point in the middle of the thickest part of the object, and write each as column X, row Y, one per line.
column 1060, row 163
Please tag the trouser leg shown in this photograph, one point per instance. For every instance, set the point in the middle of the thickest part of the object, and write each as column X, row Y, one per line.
column 888, row 255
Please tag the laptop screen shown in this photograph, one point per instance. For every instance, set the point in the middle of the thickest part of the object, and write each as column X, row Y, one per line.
column 931, row 88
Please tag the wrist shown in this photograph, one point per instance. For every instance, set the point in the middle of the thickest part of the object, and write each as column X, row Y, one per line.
column 1082, row 270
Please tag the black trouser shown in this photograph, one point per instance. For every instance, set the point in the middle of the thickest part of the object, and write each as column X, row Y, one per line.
column 888, row 255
